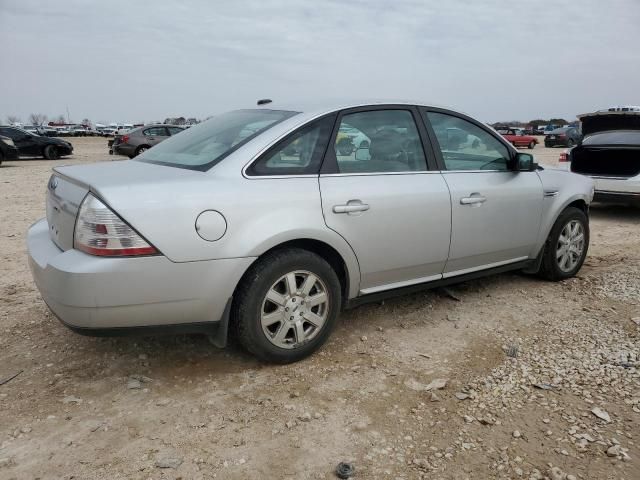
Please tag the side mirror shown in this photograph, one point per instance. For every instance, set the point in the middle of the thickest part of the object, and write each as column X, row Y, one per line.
column 525, row 162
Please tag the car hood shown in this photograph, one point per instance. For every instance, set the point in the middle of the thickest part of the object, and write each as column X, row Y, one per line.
column 607, row 121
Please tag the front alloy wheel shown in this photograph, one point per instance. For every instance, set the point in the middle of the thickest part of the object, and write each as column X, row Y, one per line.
column 570, row 246
column 566, row 246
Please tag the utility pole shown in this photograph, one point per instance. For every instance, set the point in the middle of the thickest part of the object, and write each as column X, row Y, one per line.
column 68, row 117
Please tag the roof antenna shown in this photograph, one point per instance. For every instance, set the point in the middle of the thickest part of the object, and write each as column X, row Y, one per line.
column 264, row 101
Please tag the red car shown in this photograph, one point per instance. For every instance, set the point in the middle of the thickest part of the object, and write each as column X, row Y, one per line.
column 517, row 138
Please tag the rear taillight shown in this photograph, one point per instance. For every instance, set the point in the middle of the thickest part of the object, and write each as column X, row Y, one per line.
column 564, row 157
column 124, row 139
column 99, row 231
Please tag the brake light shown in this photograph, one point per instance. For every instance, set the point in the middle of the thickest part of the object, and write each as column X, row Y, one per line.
column 99, row 231
column 564, row 157
column 124, row 139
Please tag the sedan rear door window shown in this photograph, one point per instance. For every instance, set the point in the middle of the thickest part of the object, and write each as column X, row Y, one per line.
column 379, row 141
column 155, row 132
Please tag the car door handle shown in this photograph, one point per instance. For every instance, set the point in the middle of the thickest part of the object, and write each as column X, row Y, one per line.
column 351, row 207
column 474, row 199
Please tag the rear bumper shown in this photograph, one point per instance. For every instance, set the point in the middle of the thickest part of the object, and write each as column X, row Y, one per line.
column 124, row 149
column 119, row 296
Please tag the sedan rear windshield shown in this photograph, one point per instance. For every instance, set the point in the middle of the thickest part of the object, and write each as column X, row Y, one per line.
column 204, row 145
column 621, row 137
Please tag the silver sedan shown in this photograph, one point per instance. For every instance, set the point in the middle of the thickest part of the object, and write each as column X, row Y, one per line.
column 256, row 224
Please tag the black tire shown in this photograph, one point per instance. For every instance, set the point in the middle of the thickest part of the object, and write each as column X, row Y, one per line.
column 549, row 268
column 571, row 143
column 252, row 290
column 51, row 152
column 532, row 145
column 1, row 157
column 141, row 149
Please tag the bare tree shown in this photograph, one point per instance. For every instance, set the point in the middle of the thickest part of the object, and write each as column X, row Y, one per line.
column 86, row 122
column 61, row 119
column 11, row 119
column 37, row 118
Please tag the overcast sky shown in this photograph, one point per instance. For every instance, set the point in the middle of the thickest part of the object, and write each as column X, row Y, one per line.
column 131, row 61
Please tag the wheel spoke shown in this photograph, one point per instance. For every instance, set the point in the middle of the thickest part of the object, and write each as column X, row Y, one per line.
column 292, row 287
column 308, row 284
column 281, row 334
column 317, row 299
column 578, row 238
column 314, row 319
column 269, row 319
column 276, row 298
column 299, row 329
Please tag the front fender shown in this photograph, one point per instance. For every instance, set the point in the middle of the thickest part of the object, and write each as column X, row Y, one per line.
column 561, row 189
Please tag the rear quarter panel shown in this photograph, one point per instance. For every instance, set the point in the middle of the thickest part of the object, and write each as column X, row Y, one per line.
column 260, row 214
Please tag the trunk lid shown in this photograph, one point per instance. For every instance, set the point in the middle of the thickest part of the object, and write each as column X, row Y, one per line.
column 63, row 202
column 69, row 185
column 607, row 121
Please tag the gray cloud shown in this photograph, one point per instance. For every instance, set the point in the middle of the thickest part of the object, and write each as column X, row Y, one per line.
column 135, row 61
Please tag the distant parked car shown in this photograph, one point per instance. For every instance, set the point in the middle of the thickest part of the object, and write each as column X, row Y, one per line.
column 214, row 232
column 8, row 150
column 517, row 138
column 138, row 140
column 564, row 137
column 31, row 145
column 610, row 154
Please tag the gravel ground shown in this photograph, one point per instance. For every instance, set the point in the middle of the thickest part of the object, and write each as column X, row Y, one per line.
column 518, row 378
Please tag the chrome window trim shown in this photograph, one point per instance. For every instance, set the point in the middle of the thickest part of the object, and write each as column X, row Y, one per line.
column 369, row 174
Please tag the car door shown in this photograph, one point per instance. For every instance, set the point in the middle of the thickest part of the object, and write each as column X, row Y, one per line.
column 495, row 211
column 381, row 197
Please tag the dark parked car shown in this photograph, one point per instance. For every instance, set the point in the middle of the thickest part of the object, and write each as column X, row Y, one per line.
column 8, row 150
column 32, row 145
column 563, row 137
column 138, row 140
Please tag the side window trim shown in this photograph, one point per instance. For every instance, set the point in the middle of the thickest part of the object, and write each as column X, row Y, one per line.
column 434, row 141
column 330, row 162
column 331, row 117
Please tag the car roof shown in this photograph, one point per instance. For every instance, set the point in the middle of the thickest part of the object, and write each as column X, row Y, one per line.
column 320, row 107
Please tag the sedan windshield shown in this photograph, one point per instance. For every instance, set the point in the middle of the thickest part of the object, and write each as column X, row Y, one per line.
column 202, row 146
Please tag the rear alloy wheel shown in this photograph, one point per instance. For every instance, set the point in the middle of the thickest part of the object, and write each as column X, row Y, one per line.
column 287, row 305
column 532, row 145
column 141, row 149
column 567, row 245
column 51, row 152
column 571, row 143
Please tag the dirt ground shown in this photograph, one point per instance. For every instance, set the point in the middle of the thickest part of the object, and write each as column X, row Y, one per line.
column 526, row 364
